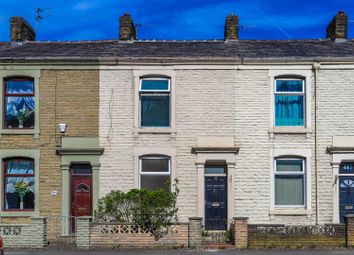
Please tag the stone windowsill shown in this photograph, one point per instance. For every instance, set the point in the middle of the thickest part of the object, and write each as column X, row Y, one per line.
column 170, row 131
column 290, row 211
column 290, row 130
column 34, row 132
column 19, row 214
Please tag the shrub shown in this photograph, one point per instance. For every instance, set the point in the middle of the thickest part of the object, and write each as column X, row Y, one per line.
column 150, row 209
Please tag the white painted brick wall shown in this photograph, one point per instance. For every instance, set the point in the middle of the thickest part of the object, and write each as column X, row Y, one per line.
column 224, row 103
column 204, row 107
column 116, row 98
column 336, row 117
column 253, row 170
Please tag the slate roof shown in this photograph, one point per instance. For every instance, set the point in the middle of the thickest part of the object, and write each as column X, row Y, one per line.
column 121, row 50
column 3, row 45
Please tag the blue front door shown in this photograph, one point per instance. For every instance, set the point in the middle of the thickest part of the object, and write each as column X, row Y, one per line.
column 215, row 202
column 346, row 190
column 346, row 196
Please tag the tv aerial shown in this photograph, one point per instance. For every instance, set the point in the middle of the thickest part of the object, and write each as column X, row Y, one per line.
column 40, row 16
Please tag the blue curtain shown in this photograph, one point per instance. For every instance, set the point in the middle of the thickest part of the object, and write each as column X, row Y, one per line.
column 289, row 85
column 155, row 111
column 289, row 110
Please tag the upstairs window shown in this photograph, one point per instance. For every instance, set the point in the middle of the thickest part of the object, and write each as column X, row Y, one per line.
column 155, row 172
column 289, row 102
column 19, row 186
column 289, row 182
column 19, row 103
column 154, row 102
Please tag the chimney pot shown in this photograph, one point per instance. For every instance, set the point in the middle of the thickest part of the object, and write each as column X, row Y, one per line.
column 21, row 30
column 231, row 28
column 337, row 29
column 127, row 29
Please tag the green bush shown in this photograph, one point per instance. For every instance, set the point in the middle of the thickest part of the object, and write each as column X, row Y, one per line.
column 150, row 209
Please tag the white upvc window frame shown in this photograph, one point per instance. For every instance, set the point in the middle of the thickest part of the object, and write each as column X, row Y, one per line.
column 155, row 78
column 290, row 173
column 300, row 73
column 153, row 73
column 155, row 93
column 286, row 152
column 295, row 93
column 141, row 172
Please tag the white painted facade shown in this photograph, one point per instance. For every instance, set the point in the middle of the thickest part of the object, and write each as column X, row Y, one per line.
column 230, row 106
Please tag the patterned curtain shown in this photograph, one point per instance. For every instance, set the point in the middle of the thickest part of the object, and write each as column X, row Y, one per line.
column 17, row 103
column 17, row 167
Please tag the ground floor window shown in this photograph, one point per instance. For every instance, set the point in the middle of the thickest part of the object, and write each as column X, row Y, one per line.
column 155, row 172
column 289, row 182
column 19, row 184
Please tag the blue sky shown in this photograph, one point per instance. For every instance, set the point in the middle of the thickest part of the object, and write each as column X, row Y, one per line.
column 177, row 19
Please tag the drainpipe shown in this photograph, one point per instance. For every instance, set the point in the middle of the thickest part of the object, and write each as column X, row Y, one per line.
column 316, row 67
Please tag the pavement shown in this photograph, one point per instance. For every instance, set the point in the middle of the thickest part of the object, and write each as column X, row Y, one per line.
column 48, row 251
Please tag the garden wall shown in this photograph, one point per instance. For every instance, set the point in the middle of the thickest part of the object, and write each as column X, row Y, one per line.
column 280, row 236
column 294, row 236
column 29, row 235
column 122, row 235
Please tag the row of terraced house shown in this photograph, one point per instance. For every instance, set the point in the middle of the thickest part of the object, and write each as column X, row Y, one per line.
column 262, row 129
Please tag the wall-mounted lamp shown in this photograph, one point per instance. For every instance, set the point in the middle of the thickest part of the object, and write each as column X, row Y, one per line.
column 62, row 127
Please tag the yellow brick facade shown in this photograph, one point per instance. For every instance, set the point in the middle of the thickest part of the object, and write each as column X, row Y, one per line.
column 66, row 96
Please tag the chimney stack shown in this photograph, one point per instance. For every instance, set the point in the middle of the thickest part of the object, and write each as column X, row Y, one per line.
column 337, row 29
column 21, row 30
column 126, row 28
column 231, row 28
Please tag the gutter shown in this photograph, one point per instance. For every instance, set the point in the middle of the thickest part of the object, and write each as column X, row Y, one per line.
column 177, row 60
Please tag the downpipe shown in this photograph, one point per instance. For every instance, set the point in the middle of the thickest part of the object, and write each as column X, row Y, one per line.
column 316, row 66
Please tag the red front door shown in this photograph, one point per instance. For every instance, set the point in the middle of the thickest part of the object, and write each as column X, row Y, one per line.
column 81, row 192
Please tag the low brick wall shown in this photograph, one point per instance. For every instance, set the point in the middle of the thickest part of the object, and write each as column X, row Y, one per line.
column 32, row 235
column 280, row 236
column 132, row 236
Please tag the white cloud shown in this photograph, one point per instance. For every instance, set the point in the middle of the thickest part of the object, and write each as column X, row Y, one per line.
column 84, row 6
